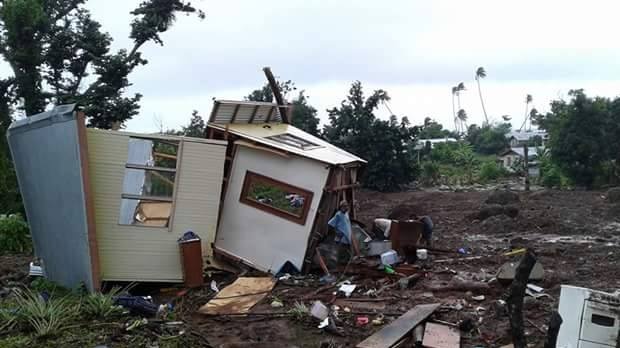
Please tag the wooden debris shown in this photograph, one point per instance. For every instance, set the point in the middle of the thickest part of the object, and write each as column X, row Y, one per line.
column 441, row 336
column 240, row 296
column 395, row 331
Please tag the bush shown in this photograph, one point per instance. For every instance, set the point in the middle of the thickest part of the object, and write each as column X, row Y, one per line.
column 490, row 170
column 101, row 306
column 45, row 317
column 14, row 234
column 430, row 173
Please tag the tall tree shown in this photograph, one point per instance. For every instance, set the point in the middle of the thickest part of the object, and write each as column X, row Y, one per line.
column 459, row 88
column 432, row 129
column 54, row 46
column 456, row 120
column 354, row 127
column 196, row 127
column 480, row 74
column 528, row 100
column 462, row 116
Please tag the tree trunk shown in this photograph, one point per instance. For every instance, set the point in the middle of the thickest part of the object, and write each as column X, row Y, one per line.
column 525, row 120
column 514, row 302
column 554, row 329
column 484, row 110
column 456, row 127
column 526, row 168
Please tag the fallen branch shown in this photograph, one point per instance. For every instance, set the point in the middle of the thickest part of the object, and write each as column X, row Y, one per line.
column 514, row 302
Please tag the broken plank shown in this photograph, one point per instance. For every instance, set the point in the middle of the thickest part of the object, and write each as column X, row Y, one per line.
column 440, row 336
column 392, row 333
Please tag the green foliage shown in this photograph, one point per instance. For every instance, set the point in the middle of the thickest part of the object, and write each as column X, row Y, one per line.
column 490, row 170
column 488, row 139
column 465, row 158
column 54, row 46
column 299, row 311
column 41, row 284
column 444, row 152
column 582, row 135
column 196, row 128
column 550, row 174
column 432, row 130
column 384, row 144
column 14, row 234
column 44, row 318
column 101, row 306
column 430, row 173
column 274, row 196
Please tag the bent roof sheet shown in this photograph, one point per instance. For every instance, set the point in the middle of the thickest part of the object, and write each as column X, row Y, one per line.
column 262, row 133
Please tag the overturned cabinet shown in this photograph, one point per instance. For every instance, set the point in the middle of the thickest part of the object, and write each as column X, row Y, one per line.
column 108, row 205
column 280, row 188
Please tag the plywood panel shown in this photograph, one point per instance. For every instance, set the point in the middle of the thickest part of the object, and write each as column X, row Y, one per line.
column 151, row 253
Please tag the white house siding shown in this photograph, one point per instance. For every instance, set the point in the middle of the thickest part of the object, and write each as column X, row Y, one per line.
column 263, row 239
column 140, row 253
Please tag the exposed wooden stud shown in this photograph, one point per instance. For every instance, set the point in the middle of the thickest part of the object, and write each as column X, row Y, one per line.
column 146, row 198
column 164, row 155
column 254, row 113
column 140, row 166
column 89, row 201
column 216, row 106
column 235, row 112
column 270, row 114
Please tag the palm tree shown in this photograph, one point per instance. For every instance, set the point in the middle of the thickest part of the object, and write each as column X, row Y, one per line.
column 462, row 116
column 456, row 126
column 480, row 74
column 459, row 88
column 528, row 100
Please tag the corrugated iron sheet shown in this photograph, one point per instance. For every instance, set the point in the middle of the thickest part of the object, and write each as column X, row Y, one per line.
column 228, row 111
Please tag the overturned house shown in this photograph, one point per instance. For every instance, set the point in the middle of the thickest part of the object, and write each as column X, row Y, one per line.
column 110, row 206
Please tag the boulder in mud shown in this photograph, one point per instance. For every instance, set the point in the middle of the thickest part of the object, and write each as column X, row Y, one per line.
column 503, row 197
column 613, row 195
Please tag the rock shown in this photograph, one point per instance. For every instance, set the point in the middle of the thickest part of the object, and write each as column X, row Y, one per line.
column 503, row 197
column 613, row 195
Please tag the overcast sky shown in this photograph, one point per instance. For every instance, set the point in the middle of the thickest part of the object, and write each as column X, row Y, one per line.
column 416, row 50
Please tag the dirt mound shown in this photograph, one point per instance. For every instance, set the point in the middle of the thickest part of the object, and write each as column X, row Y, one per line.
column 489, row 210
column 405, row 212
column 498, row 224
column 540, row 194
column 613, row 195
column 503, row 197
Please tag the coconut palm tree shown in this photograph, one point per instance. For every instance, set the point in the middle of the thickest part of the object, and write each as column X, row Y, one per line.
column 480, row 74
column 462, row 116
column 528, row 100
column 459, row 88
column 456, row 126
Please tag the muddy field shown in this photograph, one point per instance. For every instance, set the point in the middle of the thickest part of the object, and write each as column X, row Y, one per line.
column 576, row 236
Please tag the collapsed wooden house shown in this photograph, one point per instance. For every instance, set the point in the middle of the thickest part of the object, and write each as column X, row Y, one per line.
column 109, row 205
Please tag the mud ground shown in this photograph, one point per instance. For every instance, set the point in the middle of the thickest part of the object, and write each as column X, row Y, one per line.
column 576, row 235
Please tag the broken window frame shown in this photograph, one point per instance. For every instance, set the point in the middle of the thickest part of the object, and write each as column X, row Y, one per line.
column 149, row 198
column 251, row 177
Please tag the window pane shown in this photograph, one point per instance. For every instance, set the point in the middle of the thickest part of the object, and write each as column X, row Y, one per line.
column 153, row 152
column 145, row 213
column 276, row 197
column 291, row 140
column 146, row 182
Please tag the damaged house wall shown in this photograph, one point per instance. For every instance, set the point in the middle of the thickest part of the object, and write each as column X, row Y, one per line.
column 261, row 238
column 150, row 253
column 46, row 153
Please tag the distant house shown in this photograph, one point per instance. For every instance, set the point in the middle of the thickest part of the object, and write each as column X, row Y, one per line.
column 509, row 157
column 520, row 138
column 422, row 142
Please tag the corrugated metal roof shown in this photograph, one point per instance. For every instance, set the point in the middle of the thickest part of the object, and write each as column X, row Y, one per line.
column 229, row 111
column 264, row 134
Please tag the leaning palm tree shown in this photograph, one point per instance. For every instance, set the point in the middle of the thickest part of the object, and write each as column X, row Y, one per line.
column 456, row 126
column 462, row 116
column 528, row 100
column 459, row 88
column 480, row 74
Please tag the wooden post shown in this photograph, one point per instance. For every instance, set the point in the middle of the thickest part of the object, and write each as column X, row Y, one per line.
column 526, row 167
column 554, row 329
column 276, row 94
column 514, row 302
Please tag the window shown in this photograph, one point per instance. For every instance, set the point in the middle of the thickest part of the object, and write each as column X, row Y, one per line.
column 295, row 141
column 278, row 198
column 148, row 184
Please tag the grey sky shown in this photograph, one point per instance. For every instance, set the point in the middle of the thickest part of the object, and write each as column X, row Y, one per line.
column 416, row 50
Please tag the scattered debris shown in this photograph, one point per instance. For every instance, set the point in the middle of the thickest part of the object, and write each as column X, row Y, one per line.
column 214, row 286
column 319, row 310
column 507, row 271
column 535, row 288
column 361, row 321
column 391, row 334
column 479, row 298
column 441, row 336
column 277, row 304
column 240, row 296
column 324, row 323
column 389, row 257
column 347, row 289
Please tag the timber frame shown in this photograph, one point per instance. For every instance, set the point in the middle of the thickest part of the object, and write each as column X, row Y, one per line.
column 341, row 184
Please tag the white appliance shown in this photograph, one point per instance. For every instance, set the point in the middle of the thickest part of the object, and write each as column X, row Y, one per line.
column 590, row 318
